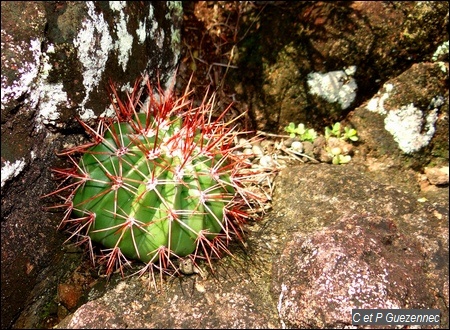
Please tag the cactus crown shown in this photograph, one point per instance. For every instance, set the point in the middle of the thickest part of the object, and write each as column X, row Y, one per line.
column 156, row 184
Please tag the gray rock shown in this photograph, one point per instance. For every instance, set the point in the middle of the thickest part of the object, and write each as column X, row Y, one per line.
column 57, row 61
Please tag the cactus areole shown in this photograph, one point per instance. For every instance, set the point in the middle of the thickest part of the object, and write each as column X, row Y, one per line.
column 161, row 180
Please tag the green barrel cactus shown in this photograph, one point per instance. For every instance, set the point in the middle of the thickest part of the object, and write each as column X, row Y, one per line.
column 160, row 183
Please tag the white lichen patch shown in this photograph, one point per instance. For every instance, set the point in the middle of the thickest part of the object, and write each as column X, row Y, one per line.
column 154, row 32
column 117, row 5
column 409, row 128
column 124, row 41
column 109, row 112
column 351, row 70
column 280, row 304
column 141, row 31
column 26, row 73
column 406, row 124
column 46, row 98
column 376, row 104
column 93, row 44
column 9, row 170
column 334, row 86
column 126, row 88
column 170, row 78
column 51, row 98
column 443, row 49
column 86, row 114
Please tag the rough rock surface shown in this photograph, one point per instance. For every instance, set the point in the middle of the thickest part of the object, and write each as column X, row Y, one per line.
column 231, row 301
column 352, row 233
column 338, row 233
column 362, row 262
column 369, row 42
column 407, row 119
column 57, row 60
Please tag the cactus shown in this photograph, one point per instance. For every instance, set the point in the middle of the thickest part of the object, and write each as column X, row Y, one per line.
column 161, row 183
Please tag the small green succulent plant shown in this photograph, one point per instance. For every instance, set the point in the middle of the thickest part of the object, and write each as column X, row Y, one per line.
column 336, row 130
column 338, row 158
column 157, row 185
column 303, row 133
column 338, row 154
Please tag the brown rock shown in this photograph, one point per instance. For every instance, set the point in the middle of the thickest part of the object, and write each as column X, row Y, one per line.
column 69, row 295
column 437, row 176
column 361, row 262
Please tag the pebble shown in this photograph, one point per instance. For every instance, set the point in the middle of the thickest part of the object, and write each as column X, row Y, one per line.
column 308, row 148
column 187, row 266
column 244, row 143
column 249, row 153
column 266, row 144
column 266, row 161
column 257, row 150
column 297, row 146
column 437, row 176
column 69, row 295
